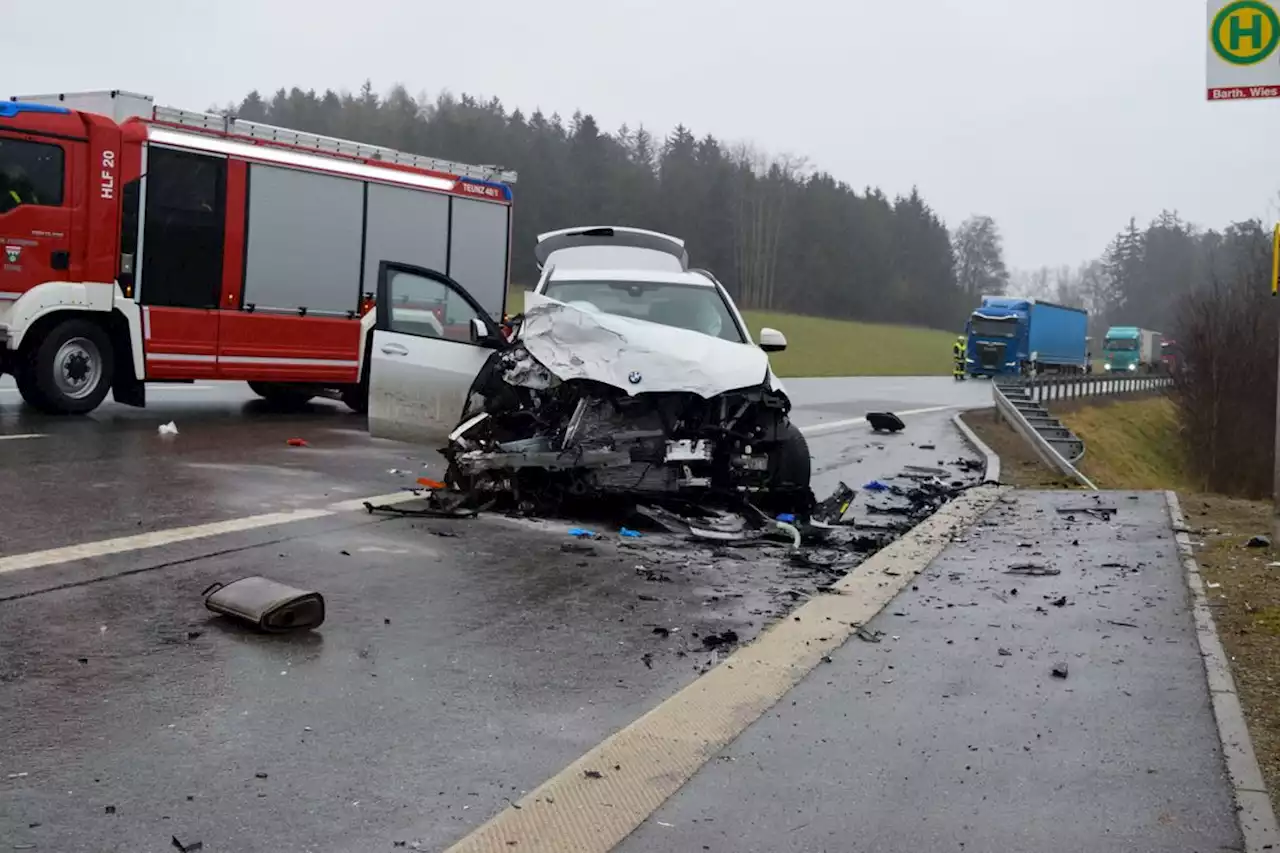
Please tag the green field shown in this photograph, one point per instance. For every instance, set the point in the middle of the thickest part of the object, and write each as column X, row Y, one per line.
column 822, row 347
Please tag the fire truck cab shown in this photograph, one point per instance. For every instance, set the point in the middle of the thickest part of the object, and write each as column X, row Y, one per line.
column 141, row 243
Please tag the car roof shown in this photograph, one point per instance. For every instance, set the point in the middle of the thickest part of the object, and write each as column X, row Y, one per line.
column 693, row 279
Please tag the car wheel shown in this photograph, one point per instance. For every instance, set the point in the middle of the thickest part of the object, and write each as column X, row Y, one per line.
column 790, row 467
column 282, row 394
column 70, row 372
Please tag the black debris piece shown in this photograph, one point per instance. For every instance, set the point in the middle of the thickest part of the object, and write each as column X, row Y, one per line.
column 647, row 660
column 1259, row 542
column 1060, row 669
column 109, row 809
column 1004, row 653
column 1032, row 570
column 260, row 775
column 826, row 658
column 662, row 632
column 593, row 774
column 724, row 638
column 867, row 635
column 1059, row 602
column 927, row 447
column 1102, row 512
column 832, row 509
column 885, row 422
column 191, row 847
column 194, row 635
column 345, row 553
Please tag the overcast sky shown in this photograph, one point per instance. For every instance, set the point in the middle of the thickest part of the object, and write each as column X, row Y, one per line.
column 1060, row 119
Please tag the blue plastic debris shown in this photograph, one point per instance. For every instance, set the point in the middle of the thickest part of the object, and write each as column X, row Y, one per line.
column 629, row 533
column 876, row 486
column 787, row 518
column 581, row 533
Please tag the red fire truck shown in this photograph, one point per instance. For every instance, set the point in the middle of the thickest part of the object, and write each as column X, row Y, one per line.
column 142, row 243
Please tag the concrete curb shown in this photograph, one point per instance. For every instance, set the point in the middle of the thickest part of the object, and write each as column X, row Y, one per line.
column 1253, row 804
column 992, row 471
column 598, row 800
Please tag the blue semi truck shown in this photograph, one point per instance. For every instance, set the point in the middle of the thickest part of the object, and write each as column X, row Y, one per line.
column 1008, row 336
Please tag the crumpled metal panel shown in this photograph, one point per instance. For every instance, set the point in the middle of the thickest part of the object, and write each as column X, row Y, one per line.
column 636, row 356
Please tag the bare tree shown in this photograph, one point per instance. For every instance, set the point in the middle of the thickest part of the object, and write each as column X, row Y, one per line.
column 979, row 254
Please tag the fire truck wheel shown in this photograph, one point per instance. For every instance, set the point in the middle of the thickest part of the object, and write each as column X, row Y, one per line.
column 282, row 394
column 72, row 369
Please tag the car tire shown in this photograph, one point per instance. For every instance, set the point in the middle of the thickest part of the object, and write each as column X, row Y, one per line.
column 281, row 394
column 356, row 398
column 791, row 467
column 70, row 371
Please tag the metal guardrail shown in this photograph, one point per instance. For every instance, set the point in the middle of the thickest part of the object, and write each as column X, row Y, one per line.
column 1049, row 389
column 1017, row 406
column 1022, row 402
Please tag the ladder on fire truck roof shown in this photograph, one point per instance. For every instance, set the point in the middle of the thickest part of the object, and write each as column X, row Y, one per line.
column 328, row 144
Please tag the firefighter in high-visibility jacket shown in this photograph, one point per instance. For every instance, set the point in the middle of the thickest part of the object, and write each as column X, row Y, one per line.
column 957, row 354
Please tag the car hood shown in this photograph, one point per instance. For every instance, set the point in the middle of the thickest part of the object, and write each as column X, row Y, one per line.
column 637, row 356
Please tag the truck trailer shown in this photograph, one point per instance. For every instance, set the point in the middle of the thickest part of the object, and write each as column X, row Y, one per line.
column 1012, row 336
column 1129, row 349
column 144, row 243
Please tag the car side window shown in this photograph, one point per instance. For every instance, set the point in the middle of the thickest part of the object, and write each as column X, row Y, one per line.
column 428, row 308
column 30, row 173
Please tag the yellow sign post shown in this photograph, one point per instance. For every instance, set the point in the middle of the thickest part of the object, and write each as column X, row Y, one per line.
column 1275, row 261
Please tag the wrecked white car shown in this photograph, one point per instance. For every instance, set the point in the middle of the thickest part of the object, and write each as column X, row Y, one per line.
column 627, row 374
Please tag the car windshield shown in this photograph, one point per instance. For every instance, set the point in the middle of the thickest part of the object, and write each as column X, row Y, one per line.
column 985, row 327
column 683, row 306
column 1120, row 345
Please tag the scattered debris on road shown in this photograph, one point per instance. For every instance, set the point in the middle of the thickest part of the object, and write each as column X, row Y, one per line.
column 298, row 442
column 266, row 605
column 1259, row 541
column 1060, row 669
column 187, row 848
column 724, row 638
column 168, row 429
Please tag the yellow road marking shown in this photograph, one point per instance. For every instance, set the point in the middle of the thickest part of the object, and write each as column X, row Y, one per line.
column 649, row 760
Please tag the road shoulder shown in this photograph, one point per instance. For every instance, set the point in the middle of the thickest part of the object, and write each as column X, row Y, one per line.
column 936, row 738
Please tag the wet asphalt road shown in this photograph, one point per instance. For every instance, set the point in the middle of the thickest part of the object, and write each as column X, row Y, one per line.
column 952, row 732
column 462, row 662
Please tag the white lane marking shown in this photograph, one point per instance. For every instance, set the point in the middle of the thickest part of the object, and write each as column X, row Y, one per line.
column 155, row 539
column 832, row 426
column 22, row 436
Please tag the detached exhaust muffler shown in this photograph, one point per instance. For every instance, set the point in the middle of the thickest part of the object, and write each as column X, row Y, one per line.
column 266, row 605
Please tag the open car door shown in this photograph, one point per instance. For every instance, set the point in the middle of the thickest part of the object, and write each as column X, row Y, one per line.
column 610, row 247
column 430, row 340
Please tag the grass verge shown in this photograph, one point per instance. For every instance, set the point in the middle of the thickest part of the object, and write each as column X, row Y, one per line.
column 1133, row 444
column 817, row 346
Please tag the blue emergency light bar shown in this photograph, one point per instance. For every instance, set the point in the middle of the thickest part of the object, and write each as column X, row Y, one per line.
column 9, row 109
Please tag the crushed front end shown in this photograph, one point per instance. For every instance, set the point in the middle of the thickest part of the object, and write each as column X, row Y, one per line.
column 540, row 440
